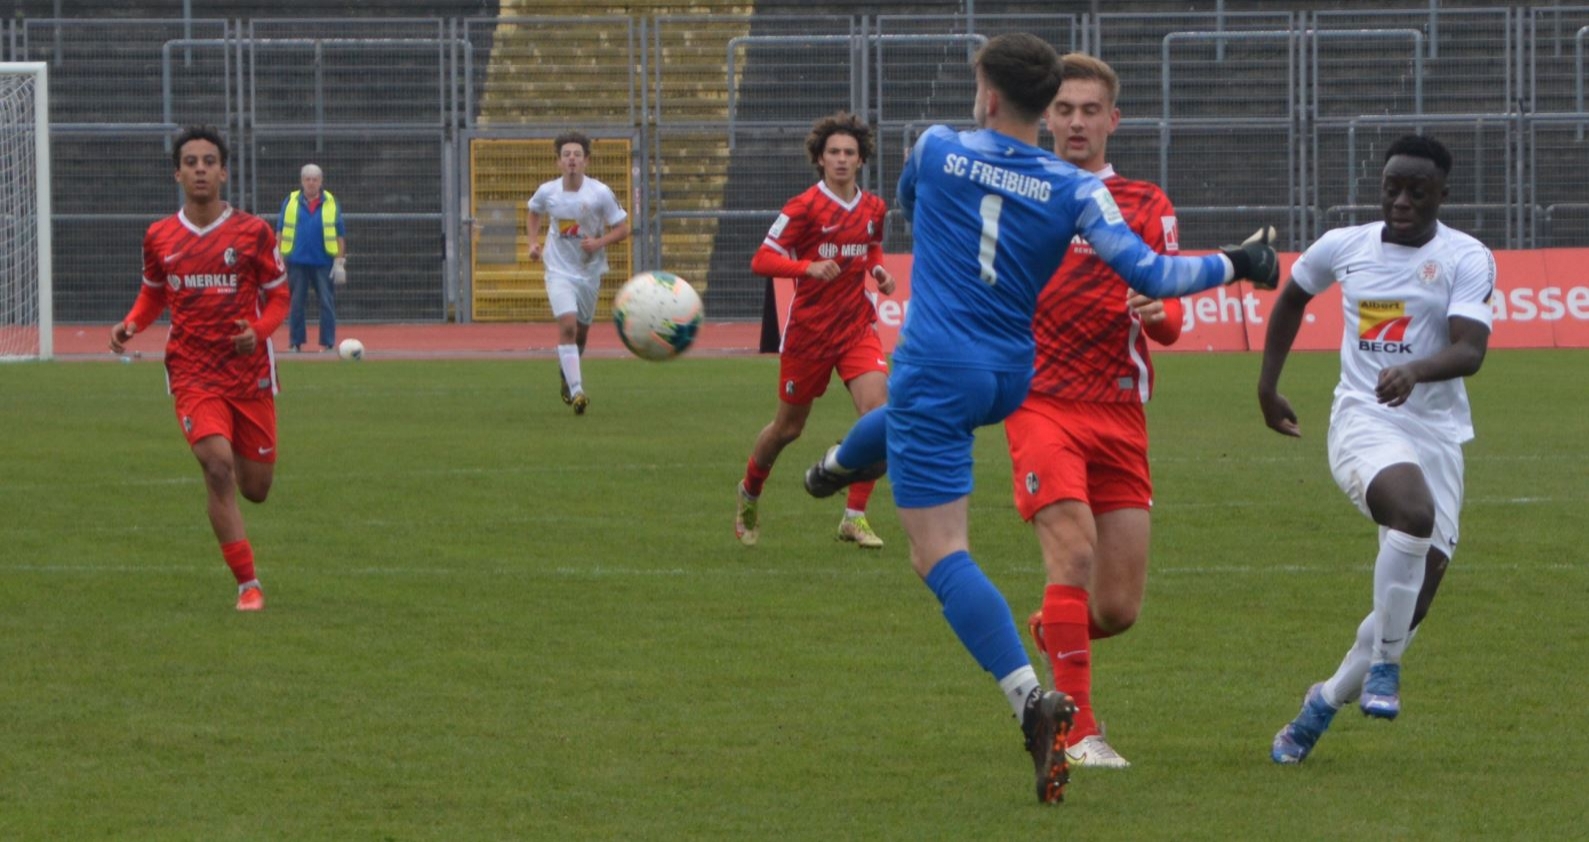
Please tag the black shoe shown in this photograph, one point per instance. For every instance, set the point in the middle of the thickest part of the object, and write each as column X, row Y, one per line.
column 1046, row 723
column 568, row 397
column 821, row 482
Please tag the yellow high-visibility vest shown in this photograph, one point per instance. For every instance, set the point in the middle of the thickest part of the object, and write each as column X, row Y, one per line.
column 328, row 222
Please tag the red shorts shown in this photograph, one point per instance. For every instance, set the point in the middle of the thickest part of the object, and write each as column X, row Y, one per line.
column 248, row 423
column 1079, row 450
column 801, row 381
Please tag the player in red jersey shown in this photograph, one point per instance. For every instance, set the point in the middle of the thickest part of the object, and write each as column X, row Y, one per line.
column 218, row 270
column 1079, row 444
column 829, row 239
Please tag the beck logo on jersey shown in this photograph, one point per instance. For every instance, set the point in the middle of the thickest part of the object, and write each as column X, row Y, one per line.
column 1382, row 325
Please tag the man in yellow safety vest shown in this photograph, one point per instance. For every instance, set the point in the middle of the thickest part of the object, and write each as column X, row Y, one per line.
column 313, row 242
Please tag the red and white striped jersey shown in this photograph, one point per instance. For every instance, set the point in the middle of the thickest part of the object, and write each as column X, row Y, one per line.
column 1090, row 343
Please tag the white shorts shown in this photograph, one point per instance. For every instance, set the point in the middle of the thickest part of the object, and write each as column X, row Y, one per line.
column 1364, row 441
column 577, row 297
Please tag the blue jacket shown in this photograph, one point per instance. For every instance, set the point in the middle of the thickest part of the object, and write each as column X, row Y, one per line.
column 307, row 246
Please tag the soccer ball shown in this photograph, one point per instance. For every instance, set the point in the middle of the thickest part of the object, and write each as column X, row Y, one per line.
column 351, row 349
column 657, row 314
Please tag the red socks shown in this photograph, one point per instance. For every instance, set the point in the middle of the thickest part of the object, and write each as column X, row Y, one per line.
column 755, row 477
column 860, row 493
column 240, row 557
column 1066, row 636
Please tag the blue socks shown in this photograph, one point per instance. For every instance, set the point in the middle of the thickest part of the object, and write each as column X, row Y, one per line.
column 867, row 442
column 977, row 612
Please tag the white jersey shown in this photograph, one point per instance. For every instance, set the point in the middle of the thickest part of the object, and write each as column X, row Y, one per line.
column 1397, row 301
column 573, row 215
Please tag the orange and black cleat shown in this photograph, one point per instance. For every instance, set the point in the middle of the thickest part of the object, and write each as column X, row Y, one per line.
column 1046, row 722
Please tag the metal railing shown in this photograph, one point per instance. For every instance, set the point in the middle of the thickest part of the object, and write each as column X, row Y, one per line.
column 1236, row 113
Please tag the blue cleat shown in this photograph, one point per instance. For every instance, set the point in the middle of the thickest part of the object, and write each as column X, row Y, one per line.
column 1295, row 740
column 1382, row 691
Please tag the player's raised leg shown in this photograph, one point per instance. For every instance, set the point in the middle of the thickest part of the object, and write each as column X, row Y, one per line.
column 861, row 456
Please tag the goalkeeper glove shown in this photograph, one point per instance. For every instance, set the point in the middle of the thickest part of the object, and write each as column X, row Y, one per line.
column 339, row 271
column 1255, row 259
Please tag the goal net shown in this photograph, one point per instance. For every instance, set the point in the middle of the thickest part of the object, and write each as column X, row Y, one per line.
column 25, row 317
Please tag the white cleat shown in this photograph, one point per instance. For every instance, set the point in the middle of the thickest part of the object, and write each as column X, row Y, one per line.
column 1094, row 752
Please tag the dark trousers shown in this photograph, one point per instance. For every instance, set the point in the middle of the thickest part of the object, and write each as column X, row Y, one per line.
column 299, row 279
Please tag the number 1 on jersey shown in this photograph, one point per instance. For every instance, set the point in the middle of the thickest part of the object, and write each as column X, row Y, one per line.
column 992, row 205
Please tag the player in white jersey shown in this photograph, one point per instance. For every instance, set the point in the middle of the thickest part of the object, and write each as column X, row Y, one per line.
column 585, row 218
column 1416, row 296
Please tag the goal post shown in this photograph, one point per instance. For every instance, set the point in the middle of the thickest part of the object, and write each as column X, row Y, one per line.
column 26, row 289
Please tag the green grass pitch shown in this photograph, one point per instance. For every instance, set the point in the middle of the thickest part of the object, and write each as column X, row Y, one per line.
column 490, row 619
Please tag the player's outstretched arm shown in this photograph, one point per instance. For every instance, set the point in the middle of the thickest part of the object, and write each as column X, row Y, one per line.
column 1255, row 259
column 1284, row 322
column 1143, row 269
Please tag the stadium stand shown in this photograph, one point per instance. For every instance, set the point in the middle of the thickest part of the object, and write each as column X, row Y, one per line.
column 714, row 98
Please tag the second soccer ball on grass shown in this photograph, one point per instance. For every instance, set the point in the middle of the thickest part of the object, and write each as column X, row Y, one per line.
column 657, row 314
column 350, row 349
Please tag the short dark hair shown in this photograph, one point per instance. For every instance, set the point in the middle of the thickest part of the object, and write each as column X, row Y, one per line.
column 191, row 133
column 571, row 137
column 1419, row 146
column 842, row 122
column 1024, row 68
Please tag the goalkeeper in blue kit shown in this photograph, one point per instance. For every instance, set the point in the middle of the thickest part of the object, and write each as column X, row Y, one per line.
column 993, row 216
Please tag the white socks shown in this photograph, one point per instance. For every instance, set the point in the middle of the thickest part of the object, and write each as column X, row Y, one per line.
column 1398, row 575
column 1347, row 683
column 1017, row 686
column 568, row 358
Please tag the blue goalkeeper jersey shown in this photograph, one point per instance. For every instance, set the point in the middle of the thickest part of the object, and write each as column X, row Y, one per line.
column 992, row 217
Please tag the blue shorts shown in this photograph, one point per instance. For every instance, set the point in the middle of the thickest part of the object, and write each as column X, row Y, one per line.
column 933, row 414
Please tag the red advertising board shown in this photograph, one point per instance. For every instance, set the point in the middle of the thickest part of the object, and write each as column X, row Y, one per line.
column 1541, row 301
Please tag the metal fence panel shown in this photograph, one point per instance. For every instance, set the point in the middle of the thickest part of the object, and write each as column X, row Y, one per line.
column 108, row 71
column 107, row 189
column 390, row 194
column 1463, row 64
column 1239, row 127
column 372, row 82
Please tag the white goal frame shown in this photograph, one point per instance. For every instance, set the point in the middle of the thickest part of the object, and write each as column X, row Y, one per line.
column 43, row 239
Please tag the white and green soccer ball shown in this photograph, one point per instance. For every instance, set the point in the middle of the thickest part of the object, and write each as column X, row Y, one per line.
column 658, row 315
